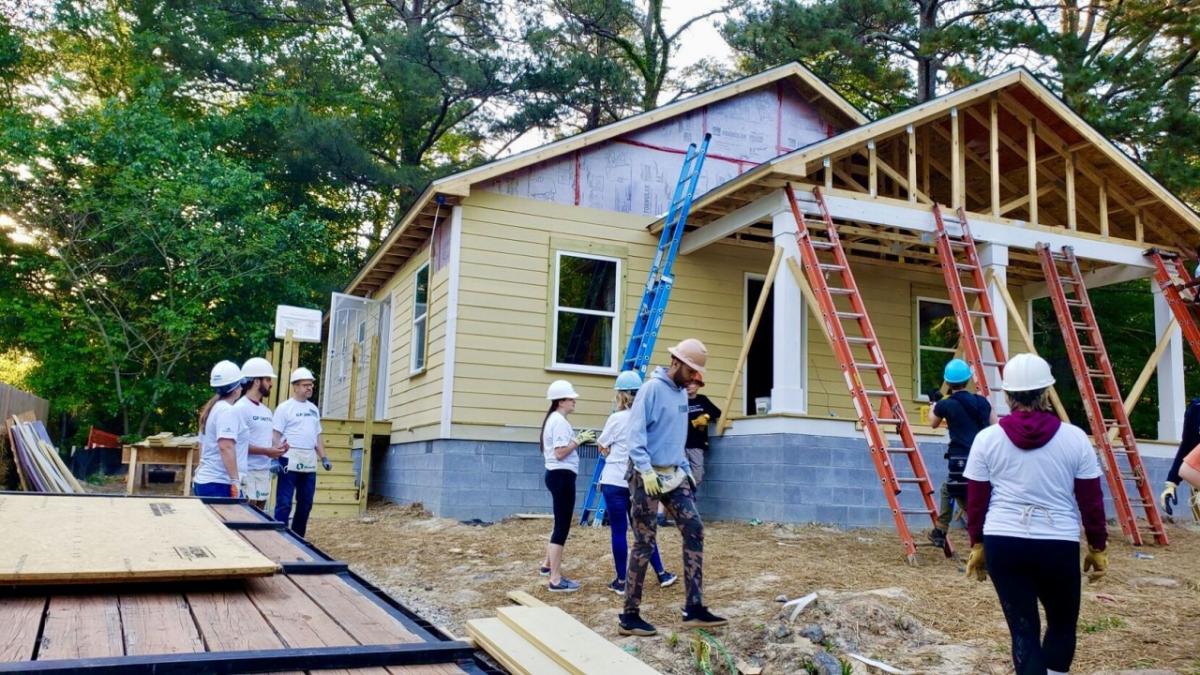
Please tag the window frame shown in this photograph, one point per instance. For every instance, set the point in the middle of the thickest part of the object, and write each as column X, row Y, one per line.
column 614, row 315
column 423, row 319
column 918, row 390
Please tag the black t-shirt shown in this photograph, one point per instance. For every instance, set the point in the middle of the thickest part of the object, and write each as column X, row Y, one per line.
column 966, row 414
column 698, row 438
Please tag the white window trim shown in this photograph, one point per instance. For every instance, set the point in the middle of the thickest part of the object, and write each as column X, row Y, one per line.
column 917, row 388
column 413, row 369
column 614, row 315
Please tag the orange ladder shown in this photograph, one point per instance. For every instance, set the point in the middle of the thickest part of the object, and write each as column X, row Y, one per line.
column 891, row 413
column 1181, row 292
column 952, row 270
column 1081, row 335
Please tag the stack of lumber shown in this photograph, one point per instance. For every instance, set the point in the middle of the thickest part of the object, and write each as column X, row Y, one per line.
column 38, row 465
column 168, row 440
column 536, row 638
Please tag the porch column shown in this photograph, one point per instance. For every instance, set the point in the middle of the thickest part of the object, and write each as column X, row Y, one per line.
column 787, row 390
column 994, row 259
column 1171, row 396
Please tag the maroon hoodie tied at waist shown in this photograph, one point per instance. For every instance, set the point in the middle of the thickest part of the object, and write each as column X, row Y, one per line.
column 1030, row 430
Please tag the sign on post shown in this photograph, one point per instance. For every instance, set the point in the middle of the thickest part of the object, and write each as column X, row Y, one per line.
column 304, row 323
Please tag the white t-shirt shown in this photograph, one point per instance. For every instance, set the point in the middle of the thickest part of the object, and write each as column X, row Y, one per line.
column 1033, row 491
column 615, row 437
column 299, row 422
column 223, row 423
column 258, row 420
column 556, row 434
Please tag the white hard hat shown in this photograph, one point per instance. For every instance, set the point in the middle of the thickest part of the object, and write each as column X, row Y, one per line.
column 224, row 374
column 257, row 367
column 301, row 374
column 1027, row 372
column 560, row 389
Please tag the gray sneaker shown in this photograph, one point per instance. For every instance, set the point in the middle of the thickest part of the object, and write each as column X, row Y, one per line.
column 564, row 585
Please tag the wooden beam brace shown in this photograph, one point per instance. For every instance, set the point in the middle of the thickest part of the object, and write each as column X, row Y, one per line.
column 912, row 163
column 1103, row 197
column 1072, row 207
column 759, row 306
column 735, row 221
column 1022, row 200
column 1014, row 316
column 956, row 167
column 1031, row 160
column 994, row 153
column 872, row 169
column 901, row 180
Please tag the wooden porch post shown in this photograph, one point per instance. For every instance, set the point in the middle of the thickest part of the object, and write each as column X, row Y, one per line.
column 1031, row 157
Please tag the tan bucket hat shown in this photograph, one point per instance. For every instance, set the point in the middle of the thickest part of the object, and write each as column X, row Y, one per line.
column 692, row 352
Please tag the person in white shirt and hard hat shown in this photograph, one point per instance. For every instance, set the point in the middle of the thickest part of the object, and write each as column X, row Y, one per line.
column 559, row 445
column 297, row 423
column 218, row 474
column 258, row 378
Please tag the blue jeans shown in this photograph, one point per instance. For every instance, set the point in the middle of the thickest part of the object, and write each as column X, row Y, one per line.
column 616, row 503
column 210, row 489
column 303, row 486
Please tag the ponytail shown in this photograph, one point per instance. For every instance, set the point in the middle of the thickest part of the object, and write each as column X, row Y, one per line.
column 207, row 409
column 553, row 407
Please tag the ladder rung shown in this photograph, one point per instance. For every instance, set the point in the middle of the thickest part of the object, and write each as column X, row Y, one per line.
column 877, row 392
column 958, row 243
column 889, row 421
column 900, row 450
column 912, row 480
column 1081, row 326
column 972, row 289
column 910, row 512
column 972, row 312
column 849, row 315
column 1075, row 303
column 996, row 364
column 856, row 340
column 1109, row 423
column 1105, row 399
column 868, row 366
column 830, row 267
column 965, row 267
column 840, row 291
column 1089, row 350
column 1096, row 373
column 822, row 245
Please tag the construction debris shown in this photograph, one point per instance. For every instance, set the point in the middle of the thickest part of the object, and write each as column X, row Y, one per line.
column 38, row 465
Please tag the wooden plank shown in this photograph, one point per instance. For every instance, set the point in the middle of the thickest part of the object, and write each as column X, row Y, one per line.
column 293, row 616
column 912, row 164
column 524, row 599
column 872, row 169
column 759, row 307
column 20, row 619
column 956, row 167
column 158, row 623
column 1069, row 170
column 161, row 454
column 229, row 621
column 82, row 626
column 1031, row 157
column 237, row 513
column 512, row 650
column 994, row 152
column 570, row 643
column 275, row 545
column 366, row 621
column 66, row 539
column 1103, row 198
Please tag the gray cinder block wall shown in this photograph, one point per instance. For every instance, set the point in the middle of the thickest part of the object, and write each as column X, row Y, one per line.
column 788, row 478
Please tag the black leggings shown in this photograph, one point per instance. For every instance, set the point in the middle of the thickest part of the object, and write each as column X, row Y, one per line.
column 1025, row 571
column 561, row 484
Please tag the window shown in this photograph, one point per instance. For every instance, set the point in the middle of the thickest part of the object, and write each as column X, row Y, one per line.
column 586, row 306
column 937, row 340
column 420, row 318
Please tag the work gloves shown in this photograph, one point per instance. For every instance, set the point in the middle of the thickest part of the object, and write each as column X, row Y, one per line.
column 1095, row 564
column 1167, row 498
column 327, row 464
column 584, row 437
column 977, row 566
column 1195, row 502
column 652, row 482
column 701, row 421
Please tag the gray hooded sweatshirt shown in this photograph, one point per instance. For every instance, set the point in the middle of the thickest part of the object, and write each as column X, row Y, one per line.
column 658, row 424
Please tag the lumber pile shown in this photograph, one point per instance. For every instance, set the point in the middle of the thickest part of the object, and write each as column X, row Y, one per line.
column 536, row 638
column 39, row 467
column 168, row 440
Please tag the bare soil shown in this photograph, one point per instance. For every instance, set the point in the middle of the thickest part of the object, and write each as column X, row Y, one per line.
column 1144, row 615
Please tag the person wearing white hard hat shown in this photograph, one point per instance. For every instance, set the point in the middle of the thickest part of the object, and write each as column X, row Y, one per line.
column 614, row 446
column 559, row 445
column 297, row 425
column 217, row 474
column 658, row 422
column 258, row 378
column 1031, row 480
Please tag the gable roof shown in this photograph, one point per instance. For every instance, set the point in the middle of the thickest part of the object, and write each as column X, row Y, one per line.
column 414, row 229
column 1074, row 134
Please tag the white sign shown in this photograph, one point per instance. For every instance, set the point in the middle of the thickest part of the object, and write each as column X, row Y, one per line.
column 305, row 324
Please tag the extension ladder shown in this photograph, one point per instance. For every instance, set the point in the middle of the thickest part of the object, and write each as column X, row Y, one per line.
column 1181, row 292
column 655, row 296
column 891, row 413
column 952, row 269
column 1081, row 336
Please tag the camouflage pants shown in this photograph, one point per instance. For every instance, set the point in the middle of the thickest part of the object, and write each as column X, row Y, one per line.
column 680, row 504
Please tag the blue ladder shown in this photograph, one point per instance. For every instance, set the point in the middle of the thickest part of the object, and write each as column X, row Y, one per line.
column 654, row 300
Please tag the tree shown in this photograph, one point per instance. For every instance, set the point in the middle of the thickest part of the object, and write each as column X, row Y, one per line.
column 883, row 55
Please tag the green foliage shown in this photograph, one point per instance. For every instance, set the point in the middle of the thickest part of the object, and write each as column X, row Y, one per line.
column 1102, row 624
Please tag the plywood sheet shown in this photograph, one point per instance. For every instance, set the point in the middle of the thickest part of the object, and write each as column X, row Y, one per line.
column 65, row 539
column 571, row 644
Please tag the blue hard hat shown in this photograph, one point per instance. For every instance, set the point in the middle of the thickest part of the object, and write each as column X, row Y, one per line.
column 628, row 380
column 957, row 371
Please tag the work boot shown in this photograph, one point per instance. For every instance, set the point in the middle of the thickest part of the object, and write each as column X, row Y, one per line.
column 634, row 624
column 937, row 538
column 700, row 617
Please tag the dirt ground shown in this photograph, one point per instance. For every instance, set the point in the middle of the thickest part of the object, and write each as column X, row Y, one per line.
column 1144, row 615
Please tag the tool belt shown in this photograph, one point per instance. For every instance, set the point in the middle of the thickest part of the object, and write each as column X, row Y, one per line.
column 956, row 484
column 301, row 460
column 670, row 477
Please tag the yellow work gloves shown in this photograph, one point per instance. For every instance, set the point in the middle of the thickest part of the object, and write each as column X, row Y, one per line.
column 701, row 422
column 651, row 481
column 1167, row 499
column 1195, row 502
column 1095, row 563
column 976, row 565
column 584, row 437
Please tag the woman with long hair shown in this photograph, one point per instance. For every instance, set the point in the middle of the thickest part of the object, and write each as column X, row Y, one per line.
column 1031, row 480
column 559, row 445
column 220, row 426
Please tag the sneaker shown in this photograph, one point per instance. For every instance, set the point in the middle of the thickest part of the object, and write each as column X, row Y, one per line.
column 565, row 585
column 662, row 520
column 617, row 586
column 634, row 624
column 700, row 617
column 666, row 579
column 937, row 538
column 544, row 571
